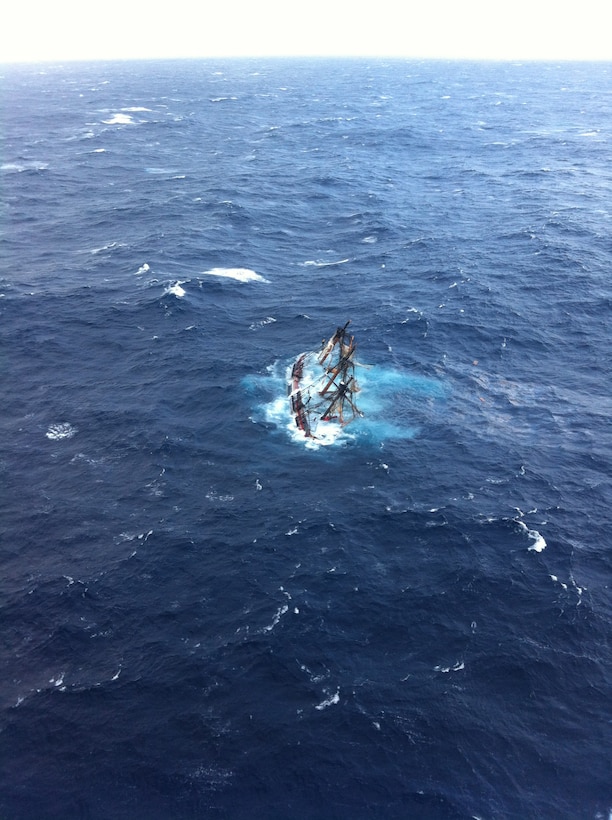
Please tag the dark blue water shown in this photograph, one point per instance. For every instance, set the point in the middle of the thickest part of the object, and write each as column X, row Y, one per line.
column 203, row 617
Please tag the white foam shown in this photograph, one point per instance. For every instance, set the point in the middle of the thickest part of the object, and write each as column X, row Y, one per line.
column 331, row 701
column 214, row 496
column 56, row 432
column 376, row 385
column 456, row 668
column 281, row 611
column 239, row 274
column 176, row 290
column 85, row 459
column 28, row 166
column 328, row 433
column 262, row 323
column 143, row 269
column 119, row 119
column 539, row 543
column 127, row 536
column 110, row 247
column 318, row 263
column 314, row 678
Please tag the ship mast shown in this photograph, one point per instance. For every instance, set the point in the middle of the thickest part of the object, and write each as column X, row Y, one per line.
column 330, row 394
column 340, row 376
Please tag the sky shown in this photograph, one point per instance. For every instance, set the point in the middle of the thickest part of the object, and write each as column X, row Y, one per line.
column 62, row 30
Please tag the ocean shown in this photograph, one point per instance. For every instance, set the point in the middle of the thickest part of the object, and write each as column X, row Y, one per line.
column 203, row 613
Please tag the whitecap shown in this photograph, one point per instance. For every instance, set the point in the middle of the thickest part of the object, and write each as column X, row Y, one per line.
column 127, row 536
column 318, row 263
column 281, row 611
column 331, row 701
column 456, row 668
column 56, row 432
column 29, row 166
column 262, row 323
column 539, row 543
column 119, row 119
column 214, row 496
column 176, row 290
column 239, row 274
column 143, row 269
column 110, row 247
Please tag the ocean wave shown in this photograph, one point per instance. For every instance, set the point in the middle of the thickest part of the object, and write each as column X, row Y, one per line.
column 188, row 591
column 19, row 167
column 120, row 119
column 176, row 289
column 238, row 274
column 322, row 263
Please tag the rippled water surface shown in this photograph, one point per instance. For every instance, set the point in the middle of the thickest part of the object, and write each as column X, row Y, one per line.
column 202, row 616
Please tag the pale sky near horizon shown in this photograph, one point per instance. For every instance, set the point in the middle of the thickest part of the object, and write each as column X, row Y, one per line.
column 62, row 30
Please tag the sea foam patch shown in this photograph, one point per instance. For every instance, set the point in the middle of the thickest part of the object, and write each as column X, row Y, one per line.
column 539, row 543
column 119, row 119
column 239, row 274
column 176, row 289
column 59, row 431
column 381, row 421
column 322, row 263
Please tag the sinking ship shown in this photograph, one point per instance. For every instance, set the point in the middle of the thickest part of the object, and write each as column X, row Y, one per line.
column 322, row 388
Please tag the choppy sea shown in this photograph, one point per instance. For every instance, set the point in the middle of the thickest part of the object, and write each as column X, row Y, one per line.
column 204, row 615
